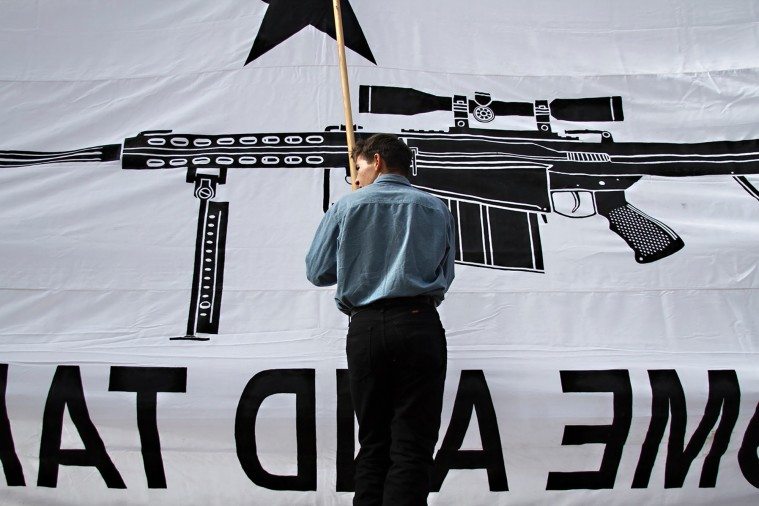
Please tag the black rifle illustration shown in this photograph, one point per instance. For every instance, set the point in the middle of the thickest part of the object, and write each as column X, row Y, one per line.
column 496, row 182
column 206, row 158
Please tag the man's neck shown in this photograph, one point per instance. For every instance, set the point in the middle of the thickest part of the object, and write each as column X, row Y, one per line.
column 392, row 173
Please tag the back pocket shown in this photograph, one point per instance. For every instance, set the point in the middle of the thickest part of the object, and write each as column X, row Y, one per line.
column 358, row 349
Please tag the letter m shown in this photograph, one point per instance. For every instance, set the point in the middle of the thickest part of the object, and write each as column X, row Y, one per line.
column 668, row 397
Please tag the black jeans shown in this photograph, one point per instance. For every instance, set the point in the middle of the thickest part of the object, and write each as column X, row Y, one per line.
column 396, row 365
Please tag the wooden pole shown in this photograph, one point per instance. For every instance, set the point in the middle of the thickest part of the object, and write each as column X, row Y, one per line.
column 350, row 137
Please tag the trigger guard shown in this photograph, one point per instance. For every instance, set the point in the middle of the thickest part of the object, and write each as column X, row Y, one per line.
column 574, row 204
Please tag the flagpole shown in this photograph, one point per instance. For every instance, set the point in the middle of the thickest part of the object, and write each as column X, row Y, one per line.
column 350, row 137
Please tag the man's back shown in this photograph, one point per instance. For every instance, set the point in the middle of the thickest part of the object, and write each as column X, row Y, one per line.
column 391, row 240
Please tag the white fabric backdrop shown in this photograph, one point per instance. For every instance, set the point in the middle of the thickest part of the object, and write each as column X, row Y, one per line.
column 96, row 262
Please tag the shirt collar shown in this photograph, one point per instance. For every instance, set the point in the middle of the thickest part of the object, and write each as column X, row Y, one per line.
column 392, row 178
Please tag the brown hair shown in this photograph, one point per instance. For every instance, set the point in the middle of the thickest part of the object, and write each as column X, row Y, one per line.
column 394, row 151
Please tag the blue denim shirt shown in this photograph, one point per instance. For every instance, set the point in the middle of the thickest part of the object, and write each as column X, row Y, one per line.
column 385, row 240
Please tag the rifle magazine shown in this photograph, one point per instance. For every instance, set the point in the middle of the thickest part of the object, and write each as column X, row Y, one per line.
column 497, row 238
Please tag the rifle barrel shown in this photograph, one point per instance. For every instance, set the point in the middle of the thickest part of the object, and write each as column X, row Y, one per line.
column 105, row 153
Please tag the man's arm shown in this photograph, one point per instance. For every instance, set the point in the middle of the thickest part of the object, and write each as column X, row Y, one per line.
column 321, row 259
column 450, row 250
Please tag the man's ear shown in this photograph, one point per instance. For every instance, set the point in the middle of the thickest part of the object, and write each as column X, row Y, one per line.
column 380, row 162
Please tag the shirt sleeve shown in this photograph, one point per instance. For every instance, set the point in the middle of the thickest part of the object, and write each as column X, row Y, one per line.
column 321, row 259
column 450, row 250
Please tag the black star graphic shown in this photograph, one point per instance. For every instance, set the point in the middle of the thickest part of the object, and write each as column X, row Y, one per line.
column 285, row 18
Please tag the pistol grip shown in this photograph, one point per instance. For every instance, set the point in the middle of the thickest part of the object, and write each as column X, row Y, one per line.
column 651, row 240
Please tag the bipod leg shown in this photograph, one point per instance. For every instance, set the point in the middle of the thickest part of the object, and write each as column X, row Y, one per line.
column 208, row 273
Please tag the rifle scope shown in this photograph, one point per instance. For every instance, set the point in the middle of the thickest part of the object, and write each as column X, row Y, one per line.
column 408, row 102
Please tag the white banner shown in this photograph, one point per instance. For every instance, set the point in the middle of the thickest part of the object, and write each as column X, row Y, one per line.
column 164, row 165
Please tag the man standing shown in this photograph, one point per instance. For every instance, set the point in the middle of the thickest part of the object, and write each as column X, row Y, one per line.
column 390, row 249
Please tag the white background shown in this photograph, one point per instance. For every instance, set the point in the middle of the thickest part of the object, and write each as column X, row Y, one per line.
column 96, row 262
